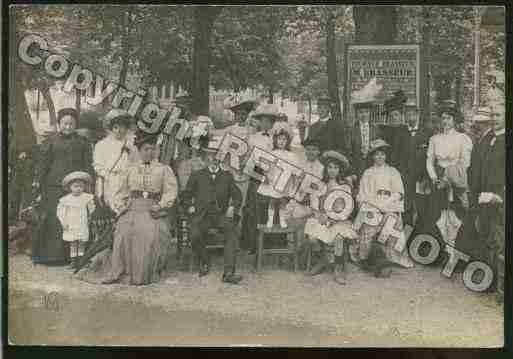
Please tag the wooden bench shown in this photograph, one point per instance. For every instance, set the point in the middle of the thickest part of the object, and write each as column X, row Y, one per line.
column 291, row 250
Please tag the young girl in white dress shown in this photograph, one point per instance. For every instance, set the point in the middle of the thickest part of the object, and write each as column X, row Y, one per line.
column 381, row 191
column 332, row 234
column 74, row 210
column 282, row 137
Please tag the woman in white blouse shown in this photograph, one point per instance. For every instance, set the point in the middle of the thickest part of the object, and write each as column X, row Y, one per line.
column 448, row 159
column 113, row 154
column 142, row 238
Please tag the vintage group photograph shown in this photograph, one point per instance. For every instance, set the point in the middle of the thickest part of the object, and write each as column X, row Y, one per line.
column 256, row 175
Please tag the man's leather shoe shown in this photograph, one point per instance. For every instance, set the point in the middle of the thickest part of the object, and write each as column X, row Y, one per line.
column 110, row 280
column 204, row 270
column 231, row 278
column 318, row 268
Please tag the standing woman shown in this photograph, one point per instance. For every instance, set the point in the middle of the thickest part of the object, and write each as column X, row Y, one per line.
column 59, row 155
column 111, row 155
column 142, row 238
column 448, row 158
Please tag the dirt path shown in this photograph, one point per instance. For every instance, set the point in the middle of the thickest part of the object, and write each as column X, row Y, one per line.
column 416, row 307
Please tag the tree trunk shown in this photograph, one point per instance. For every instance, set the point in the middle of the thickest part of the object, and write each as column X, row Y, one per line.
column 458, row 83
column 24, row 132
column 270, row 96
column 125, row 51
column 309, row 110
column 425, row 105
column 204, row 17
column 375, row 24
column 331, row 68
column 78, row 101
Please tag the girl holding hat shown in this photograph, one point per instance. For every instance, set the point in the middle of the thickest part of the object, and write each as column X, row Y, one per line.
column 331, row 234
column 113, row 154
column 381, row 190
column 74, row 212
column 59, row 155
column 277, row 200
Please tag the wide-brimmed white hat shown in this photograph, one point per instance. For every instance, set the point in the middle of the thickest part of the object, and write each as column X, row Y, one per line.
column 377, row 144
column 116, row 114
column 326, row 156
column 77, row 175
column 267, row 109
column 235, row 101
column 483, row 114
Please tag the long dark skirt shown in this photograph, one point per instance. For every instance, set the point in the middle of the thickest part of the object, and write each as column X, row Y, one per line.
column 47, row 244
column 255, row 213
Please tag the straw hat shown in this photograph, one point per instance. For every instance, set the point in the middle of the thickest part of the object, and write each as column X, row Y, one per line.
column 182, row 98
column 267, row 110
column 376, row 145
column 117, row 115
column 367, row 96
column 328, row 155
column 77, row 176
column 237, row 101
column 483, row 114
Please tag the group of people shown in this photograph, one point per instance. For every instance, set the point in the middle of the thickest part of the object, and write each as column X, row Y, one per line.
column 402, row 168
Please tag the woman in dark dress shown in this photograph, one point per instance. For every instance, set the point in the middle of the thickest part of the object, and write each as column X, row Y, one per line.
column 58, row 156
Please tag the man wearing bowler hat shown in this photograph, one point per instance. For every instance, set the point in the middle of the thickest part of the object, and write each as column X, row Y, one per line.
column 328, row 131
column 362, row 134
column 213, row 200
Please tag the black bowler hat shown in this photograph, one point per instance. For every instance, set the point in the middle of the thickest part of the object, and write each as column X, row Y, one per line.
column 396, row 102
column 311, row 142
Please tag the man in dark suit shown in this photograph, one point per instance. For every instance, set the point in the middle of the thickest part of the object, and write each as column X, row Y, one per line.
column 362, row 134
column 207, row 198
column 323, row 110
column 487, row 181
column 416, row 176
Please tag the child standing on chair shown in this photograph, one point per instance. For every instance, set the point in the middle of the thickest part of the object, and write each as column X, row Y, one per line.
column 74, row 211
column 278, row 199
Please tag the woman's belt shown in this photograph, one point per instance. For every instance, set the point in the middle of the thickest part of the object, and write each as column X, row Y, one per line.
column 145, row 194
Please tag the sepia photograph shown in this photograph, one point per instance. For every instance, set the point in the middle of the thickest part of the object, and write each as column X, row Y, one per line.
column 255, row 175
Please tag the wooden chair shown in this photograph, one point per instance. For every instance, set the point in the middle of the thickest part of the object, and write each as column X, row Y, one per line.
column 291, row 250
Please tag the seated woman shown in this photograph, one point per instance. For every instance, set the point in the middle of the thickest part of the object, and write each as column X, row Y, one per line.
column 381, row 191
column 142, row 237
column 332, row 234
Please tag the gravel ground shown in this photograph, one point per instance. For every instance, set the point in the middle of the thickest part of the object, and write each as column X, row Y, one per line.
column 415, row 307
